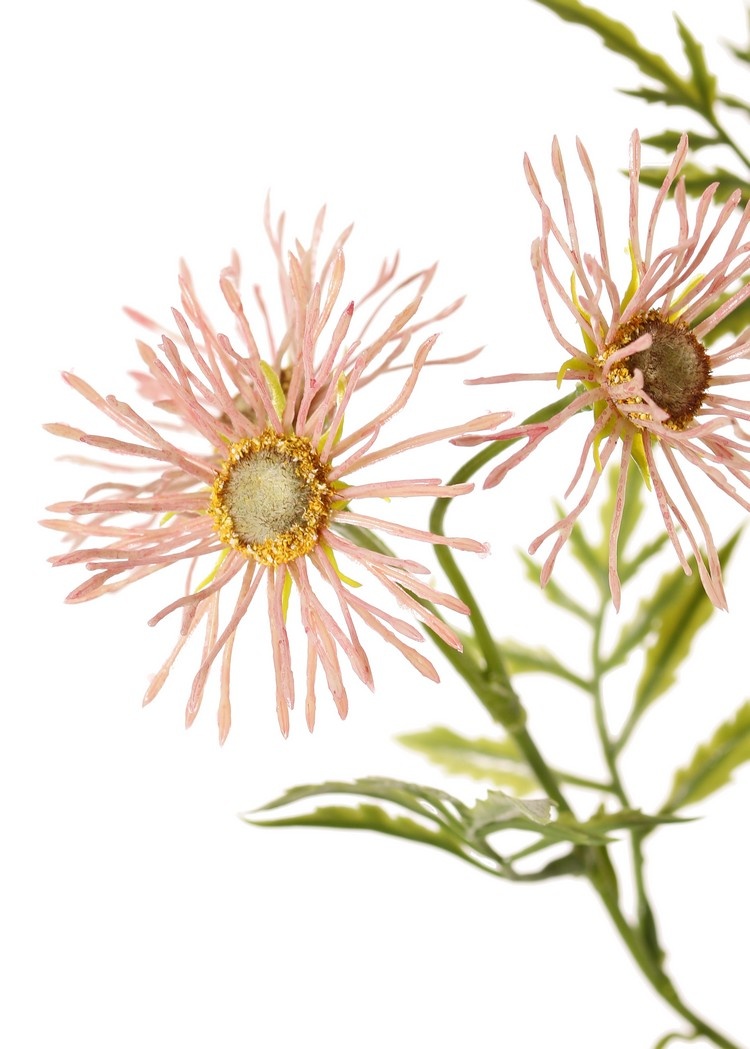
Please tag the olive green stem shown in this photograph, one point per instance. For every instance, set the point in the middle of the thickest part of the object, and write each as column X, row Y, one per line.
column 650, row 968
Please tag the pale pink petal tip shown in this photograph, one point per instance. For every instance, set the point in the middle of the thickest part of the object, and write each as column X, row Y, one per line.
column 682, row 289
column 209, row 398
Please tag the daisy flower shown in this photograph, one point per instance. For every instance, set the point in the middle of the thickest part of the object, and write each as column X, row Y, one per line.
column 639, row 357
column 252, row 480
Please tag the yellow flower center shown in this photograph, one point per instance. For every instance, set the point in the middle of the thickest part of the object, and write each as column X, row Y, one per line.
column 271, row 497
column 676, row 368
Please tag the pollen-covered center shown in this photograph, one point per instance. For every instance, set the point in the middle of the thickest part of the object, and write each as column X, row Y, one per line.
column 271, row 497
column 676, row 368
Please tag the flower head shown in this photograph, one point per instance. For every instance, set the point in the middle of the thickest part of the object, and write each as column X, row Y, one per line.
column 640, row 359
column 257, row 484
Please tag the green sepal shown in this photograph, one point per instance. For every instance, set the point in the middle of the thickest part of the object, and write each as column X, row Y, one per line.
column 278, row 397
column 497, row 761
column 713, row 763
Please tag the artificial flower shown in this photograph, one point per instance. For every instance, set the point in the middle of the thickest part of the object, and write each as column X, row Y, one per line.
column 252, row 480
column 639, row 356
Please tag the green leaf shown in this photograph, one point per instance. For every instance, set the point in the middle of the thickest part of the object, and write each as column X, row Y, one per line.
column 499, row 808
column 713, row 763
column 588, row 556
column 370, row 817
column 735, row 103
column 654, row 95
column 670, row 140
column 553, row 592
column 499, row 761
column 521, row 659
column 676, row 612
column 697, row 180
column 704, row 81
column 628, row 569
column 620, row 39
column 425, row 801
column 498, row 812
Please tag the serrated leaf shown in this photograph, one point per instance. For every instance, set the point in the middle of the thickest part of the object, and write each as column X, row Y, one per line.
column 675, row 599
column 668, row 141
column 499, row 808
column 588, row 556
column 425, row 801
column 653, row 95
column 629, row 568
column 735, row 103
column 679, row 608
column 697, row 180
column 522, row 659
column 369, row 817
column 629, row 819
column 553, row 592
column 704, row 81
column 620, row 39
column 713, row 763
column 499, row 761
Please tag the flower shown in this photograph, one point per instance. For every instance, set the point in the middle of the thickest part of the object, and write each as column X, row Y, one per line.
column 645, row 370
column 259, row 485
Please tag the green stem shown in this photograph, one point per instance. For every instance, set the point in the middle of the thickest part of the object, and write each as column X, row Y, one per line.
column 644, row 960
column 498, row 697
column 607, row 743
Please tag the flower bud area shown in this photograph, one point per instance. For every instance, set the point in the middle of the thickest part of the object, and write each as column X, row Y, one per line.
column 271, row 498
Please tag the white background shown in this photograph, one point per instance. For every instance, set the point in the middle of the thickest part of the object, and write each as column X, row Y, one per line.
column 137, row 909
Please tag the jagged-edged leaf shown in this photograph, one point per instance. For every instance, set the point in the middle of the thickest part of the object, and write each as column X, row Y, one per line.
column 588, row 556
column 669, row 140
column 678, row 604
column 628, row 819
column 713, row 763
column 553, row 591
column 697, row 179
column 370, row 817
column 498, row 812
column 704, row 81
column 678, row 609
column 627, row 569
column 654, row 95
column 500, row 808
column 620, row 39
column 426, row 801
column 735, row 103
column 499, row 761
column 522, row 659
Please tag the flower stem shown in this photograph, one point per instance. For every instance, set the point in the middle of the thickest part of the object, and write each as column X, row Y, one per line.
column 643, row 958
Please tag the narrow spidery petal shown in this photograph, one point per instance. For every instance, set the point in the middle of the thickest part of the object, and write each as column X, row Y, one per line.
column 636, row 349
column 243, row 464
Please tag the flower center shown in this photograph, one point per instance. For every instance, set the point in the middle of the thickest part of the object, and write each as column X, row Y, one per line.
column 676, row 368
column 271, row 497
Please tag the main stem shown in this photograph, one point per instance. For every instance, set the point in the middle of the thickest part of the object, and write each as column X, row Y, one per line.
column 499, row 697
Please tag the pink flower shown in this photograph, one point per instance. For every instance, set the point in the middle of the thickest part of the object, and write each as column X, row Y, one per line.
column 655, row 389
column 258, row 486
